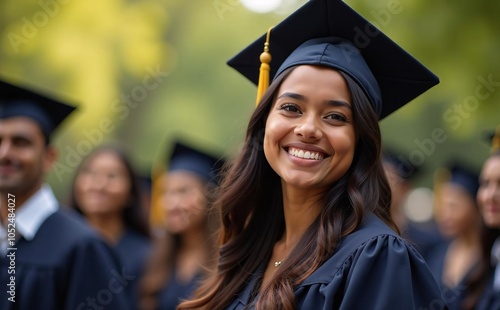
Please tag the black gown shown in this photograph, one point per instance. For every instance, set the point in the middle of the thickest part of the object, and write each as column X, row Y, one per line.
column 490, row 300
column 175, row 291
column 133, row 250
column 452, row 295
column 65, row 266
column 372, row 268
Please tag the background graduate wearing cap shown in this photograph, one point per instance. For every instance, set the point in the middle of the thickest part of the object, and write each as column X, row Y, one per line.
column 306, row 210
column 400, row 175
column 488, row 197
column 459, row 220
column 60, row 263
column 188, row 247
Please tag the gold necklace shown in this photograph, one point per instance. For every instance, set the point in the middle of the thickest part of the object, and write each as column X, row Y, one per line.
column 278, row 263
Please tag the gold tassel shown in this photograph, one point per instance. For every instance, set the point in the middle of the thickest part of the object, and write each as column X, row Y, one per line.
column 265, row 59
column 495, row 142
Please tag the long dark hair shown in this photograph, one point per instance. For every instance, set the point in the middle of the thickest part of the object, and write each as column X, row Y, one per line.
column 250, row 203
column 134, row 216
column 166, row 247
column 481, row 275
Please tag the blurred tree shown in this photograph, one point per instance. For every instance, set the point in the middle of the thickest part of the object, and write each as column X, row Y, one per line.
column 143, row 71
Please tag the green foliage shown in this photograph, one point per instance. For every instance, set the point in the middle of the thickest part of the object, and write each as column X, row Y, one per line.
column 155, row 69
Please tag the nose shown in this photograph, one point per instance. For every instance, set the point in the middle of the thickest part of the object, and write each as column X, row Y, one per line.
column 5, row 147
column 308, row 128
column 97, row 181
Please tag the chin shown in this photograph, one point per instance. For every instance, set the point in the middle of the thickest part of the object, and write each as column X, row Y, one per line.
column 492, row 222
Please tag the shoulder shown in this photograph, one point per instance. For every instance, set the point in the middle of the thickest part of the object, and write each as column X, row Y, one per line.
column 372, row 268
column 67, row 225
column 372, row 242
column 62, row 238
column 133, row 245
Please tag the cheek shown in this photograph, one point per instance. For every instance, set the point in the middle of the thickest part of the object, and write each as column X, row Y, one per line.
column 81, row 185
column 120, row 190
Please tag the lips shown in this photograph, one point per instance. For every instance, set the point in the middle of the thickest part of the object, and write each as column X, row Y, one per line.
column 7, row 169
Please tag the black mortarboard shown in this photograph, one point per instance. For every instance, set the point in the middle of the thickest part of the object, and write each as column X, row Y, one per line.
column 404, row 168
column 46, row 111
column 330, row 33
column 464, row 177
column 187, row 158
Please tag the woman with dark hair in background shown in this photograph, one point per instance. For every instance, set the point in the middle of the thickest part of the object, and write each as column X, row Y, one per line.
column 305, row 205
column 180, row 257
column 486, row 282
column 459, row 221
column 106, row 192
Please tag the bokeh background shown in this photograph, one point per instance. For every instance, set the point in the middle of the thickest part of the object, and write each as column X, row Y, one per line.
column 143, row 72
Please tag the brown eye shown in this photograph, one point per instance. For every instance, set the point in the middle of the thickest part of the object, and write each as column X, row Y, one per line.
column 289, row 107
column 336, row 117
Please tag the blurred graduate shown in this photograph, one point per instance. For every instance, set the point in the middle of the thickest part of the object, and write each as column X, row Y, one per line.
column 107, row 192
column 188, row 248
column 305, row 205
column 60, row 262
column 459, row 220
column 487, row 281
column 401, row 175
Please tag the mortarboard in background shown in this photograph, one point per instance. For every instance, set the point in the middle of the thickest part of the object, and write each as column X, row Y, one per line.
column 403, row 168
column 330, row 33
column 181, row 158
column 187, row 158
column 463, row 176
column 47, row 112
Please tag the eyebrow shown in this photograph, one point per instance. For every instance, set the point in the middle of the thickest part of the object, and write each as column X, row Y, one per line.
column 335, row 103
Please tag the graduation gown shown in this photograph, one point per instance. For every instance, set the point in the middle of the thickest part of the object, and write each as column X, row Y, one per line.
column 65, row 266
column 372, row 268
column 175, row 291
column 453, row 295
column 490, row 300
column 133, row 250
column 423, row 239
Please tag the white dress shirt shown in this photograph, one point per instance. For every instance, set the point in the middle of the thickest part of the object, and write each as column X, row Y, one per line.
column 31, row 215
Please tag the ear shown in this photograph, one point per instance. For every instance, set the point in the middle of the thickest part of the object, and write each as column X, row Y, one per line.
column 49, row 158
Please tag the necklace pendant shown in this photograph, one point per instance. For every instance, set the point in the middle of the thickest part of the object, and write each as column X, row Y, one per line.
column 277, row 264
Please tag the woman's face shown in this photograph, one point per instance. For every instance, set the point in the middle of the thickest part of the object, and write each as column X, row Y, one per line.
column 488, row 196
column 309, row 139
column 184, row 202
column 102, row 185
column 456, row 211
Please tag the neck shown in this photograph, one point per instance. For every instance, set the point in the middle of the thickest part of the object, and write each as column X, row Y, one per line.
column 469, row 239
column 300, row 207
column 193, row 240
column 109, row 226
column 9, row 199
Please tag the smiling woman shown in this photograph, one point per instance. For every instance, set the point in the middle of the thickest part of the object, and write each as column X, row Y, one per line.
column 107, row 193
column 306, row 211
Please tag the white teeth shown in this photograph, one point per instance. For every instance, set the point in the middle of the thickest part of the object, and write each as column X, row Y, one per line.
column 305, row 154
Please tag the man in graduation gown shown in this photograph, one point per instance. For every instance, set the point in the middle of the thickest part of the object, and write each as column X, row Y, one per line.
column 49, row 259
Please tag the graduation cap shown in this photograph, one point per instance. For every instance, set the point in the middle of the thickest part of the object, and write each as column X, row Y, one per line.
column 330, row 33
column 493, row 137
column 47, row 112
column 460, row 175
column 404, row 168
column 202, row 164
